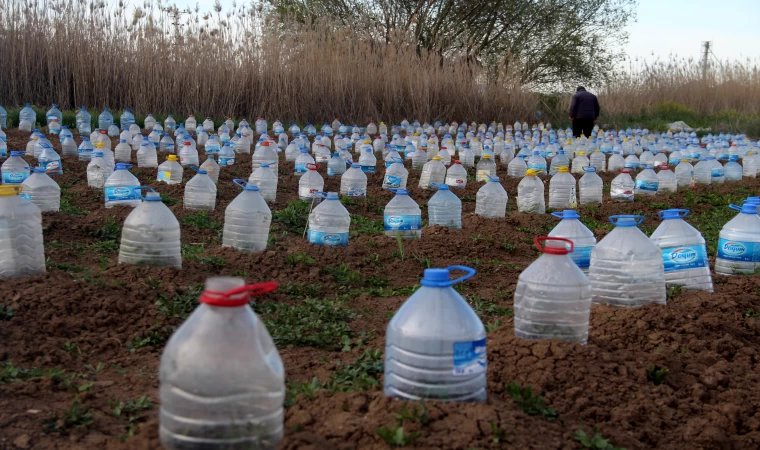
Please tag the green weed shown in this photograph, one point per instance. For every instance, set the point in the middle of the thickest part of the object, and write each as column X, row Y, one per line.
column 300, row 290
column 67, row 208
column 497, row 433
column 294, row 217
column 508, row 246
column 419, row 416
column 6, row 312
column 10, row 373
column 531, row 404
column 299, row 257
column 110, row 231
column 65, row 267
column 312, row 322
column 595, row 442
column 181, row 304
column 484, row 307
column 657, row 374
column 673, row 290
column 77, row 416
column 133, row 412
column 156, row 336
column 71, row 347
column 363, row 225
column 201, row 220
column 751, row 314
column 168, row 200
column 396, row 436
column 359, row 376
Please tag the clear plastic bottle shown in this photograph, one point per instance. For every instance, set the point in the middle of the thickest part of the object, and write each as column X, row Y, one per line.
column 667, row 180
column 486, row 168
column 445, row 156
column 456, row 175
column 266, row 181
column 151, row 235
column 353, row 183
column 684, row 174
column 166, row 144
column 622, row 186
column 491, row 200
column 98, row 171
column 191, row 124
column 562, row 190
column 211, row 168
column 435, row 345
column 583, row 239
column 684, row 253
column 647, row 182
column 188, row 156
column 50, row 161
column 703, row 171
column 336, row 166
column 15, row 170
column 226, row 156
column 105, row 119
column 146, row 155
column 749, row 165
column 221, row 352
column 170, row 171
column 717, row 172
column 291, row 152
column 123, row 152
column 530, row 194
column 733, row 170
column 626, row 266
column 467, row 156
column 84, row 121
column 247, row 219
column 402, row 216
column 122, row 188
column 41, row 190
column 303, row 160
column 396, row 175
column 553, row 296
column 616, row 162
column 433, row 172
column 310, row 183
column 558, row 161
column 444, row 208
column 329, row 222
column 368, row 160
column 538, row 163
column 590, row 186
column 200, row 192
column 598, row 160
column 516, row 168
column 212, row 146
column 22, row 252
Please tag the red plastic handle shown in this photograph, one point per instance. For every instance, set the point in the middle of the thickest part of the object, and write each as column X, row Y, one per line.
column 553, row 250
column 225, row 299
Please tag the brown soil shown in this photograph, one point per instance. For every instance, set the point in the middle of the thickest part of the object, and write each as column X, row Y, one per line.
column 709, row 398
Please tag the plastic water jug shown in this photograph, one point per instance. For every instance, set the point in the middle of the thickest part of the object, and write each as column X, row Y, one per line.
column 368, row 160
column 516, row 168
column 303, row 160
column 667, row 182
column 553, row 296
column 466, row 156
column 211, row 168
column 188, row 156
column 435, row 345
column 247, row 220
column 538, row 163
column 456, row 175
column 226, row 156
column 684, row 253
column 445, row 156
column 310, row 183
column 353, row 183
column 622, row 186
column 266, row 181
column 105, row 119
column 444, row 208
column 703, row 171
column 329, row 222
column 41, row 190
column 50, row 161
column 583, row 239
column 166, row 144
column 530, row 194
column 200, row 192
column 151, row 235
column 491, row 200
column 336, row 166
column 562, row 190
column 739, row 242
column 626, row 266
column 98, row 171
column 632, row 162
column 590, row 186
column 433, row 172
column 598, row 160
column 222, row 380
column 717, row 173
column 732, row 170
column 21, row 244
column 749, row 165
column 123, row 152
column 579, row 162
column 396, row 175
column 122, row 188
column 402, row 216
column 684, row 174
column 146, row 155
column 170, row 171
column 485, row 169
column 15, row 170
column 647, row 182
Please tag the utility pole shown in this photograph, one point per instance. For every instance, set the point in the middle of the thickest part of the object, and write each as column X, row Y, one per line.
column 705, row 57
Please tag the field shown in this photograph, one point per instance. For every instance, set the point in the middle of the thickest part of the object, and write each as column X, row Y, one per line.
column 80, row 345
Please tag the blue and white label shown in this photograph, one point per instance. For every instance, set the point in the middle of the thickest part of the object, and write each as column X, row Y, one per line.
column 122, row 193
column 631, row 165
column 684, row 257
column 300, row 168
column 226, row 162
column 392, row 181
column 537, row 167
column 329, row 239
column 581, row 256
column 330, row 172
column 718, row 173
column 52, row 167
column 470, row 357
column 14, row 177
column 738, row 250
column 369, row 169
column 644, row 185
column 25, row 196
column 388, row 164
column 356, row 191
column 403, row 222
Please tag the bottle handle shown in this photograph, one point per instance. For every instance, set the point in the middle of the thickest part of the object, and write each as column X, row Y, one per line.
column 195, row 168
column 141, row 188
column 735, row 207
column 537, row 242
column 681, row 213
column 436, row 185
column 223, row 298
column 240, row 182
column 469, row 273
column 638, row 219
column 320, row 194
column 559, row 214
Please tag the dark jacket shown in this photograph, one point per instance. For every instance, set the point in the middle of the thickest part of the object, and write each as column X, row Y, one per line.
column 584, row 106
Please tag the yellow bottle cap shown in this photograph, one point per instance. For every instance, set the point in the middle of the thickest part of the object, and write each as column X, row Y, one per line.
column 367, row 141
column 530, row 173
column 99, row 145
column 486, row 156
column 437, row 158
column 685, row 160
column 171, row 158
column 7, row 190
column 581, row 153
column 563, row 169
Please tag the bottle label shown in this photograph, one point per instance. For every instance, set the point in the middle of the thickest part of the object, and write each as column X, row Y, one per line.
column 25, row 196
column 717, row 173
column 391, row 181
column 122, row 193
column 321, row 158
column 357, row 191
column 582, row 256
column 483, row 175
column 84, row 152
column 14, row 177
column 164, row 175
column 470, row 357
column 403, row 222
column 300, row 168
column 684, row 257
column 369, row 169
column 674, row 161
column 307, row 192
column 388, row 164
column 329, row 239
column 211, row 149
column 540, row 167
column 330, row 172
column 456, row 182
column 738, row 250
column 228, row 161
column 631, row 165
column 644, row 185
column 3, row 152
column 52, row 167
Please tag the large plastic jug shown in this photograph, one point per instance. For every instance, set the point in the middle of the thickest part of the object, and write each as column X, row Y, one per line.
column 647, row 182
column 435, row 345
column 622, row 186
column 329, row 222
column 402, row 216
column 562, row 191
column 98, row 171
column 667, row 182
column 739, row 242
column 247, row 220
column 266, row 181
column 200, row 192
column 42, row 190
column 626, row 266
column 491, row 200
column 151, row 235
column 170, row 171
column 590, row 187
column 530, row 194
column 222, row 380
column 122, row 188
column 444, row 208
column 211, row 168
column 433, row 172
column 683, row 251
column 310, row 183
column 553, row 297
column 353, row 183
column 147, row 157
column 21, row 245
column 396, row 175
column 570, row 227
column 15, row 170
column 456, row 175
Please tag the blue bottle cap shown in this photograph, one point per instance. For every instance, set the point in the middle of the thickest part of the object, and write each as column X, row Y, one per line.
column 567, row 214
column 440, row 277
column 626, row 220
column 669, row 214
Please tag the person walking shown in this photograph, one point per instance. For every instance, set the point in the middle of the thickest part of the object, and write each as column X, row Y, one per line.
column 584, row 110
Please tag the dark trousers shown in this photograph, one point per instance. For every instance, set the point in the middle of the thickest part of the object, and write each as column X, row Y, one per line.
column 583, row 126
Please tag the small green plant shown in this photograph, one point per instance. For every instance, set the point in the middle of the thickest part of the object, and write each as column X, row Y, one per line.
column 657, row 374
column 156, row 336
column 294, row 217
column 132, row 410
column 396, row 436
column 508, row 246
column 343, row 275
column 6, row 312
column 362, row 225
column 182, row 302
column 531, row 404
column 110, row 231
column 419, row 416
column 595, row 442
column 10, row 373
column 215, row 261
column 497, row 433
column 201, row 220
column 299, row 290
column 751, row 314
column 673, row 290
column 152, row 283
column 67, row 208
column 311, row 322
column 77, row 416
column 299, row 257
column 71, row 347
column 168, row 200
column 349, row 201
column 494, row 325
column 359, row 376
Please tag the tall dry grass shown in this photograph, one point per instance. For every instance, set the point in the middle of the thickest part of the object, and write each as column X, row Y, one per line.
column 240, row 63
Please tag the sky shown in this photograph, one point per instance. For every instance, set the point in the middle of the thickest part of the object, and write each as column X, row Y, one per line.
column 666, row 27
